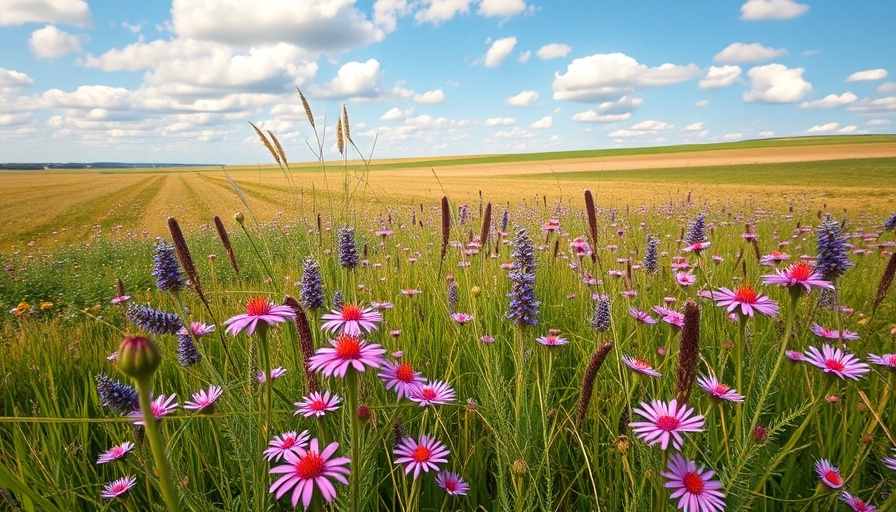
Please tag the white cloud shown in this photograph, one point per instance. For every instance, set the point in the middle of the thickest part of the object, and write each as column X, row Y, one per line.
column 880, row 105
column 831, row 101
column 50, row 43
column 358, row 81
column 772, row 10
column 524, row 56
column 498, row 51
column 717, row 77
column 553, row 51
column 732, row 136
column 610, row 111
column 67, row 12
column 602, row 77
column 396, row 113
column 500, row 121
column 436, row 96
column 701, row 103
column 885, row 88
column 523, row 99
column 695, row 127
column 847, row 129
column 870, row 74
column 647, row 128
column 594, row 117
column 501, row 8
column 776, row 83
column 12, row 79
column 877, row 122
column 516, row 133
column 544, row 122
column 437, row 11
column 134, row 28
column 767, row 133
column 740, row 53
column 822, row 128
column 386, row 13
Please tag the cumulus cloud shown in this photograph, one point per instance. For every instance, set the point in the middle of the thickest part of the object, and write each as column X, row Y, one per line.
column 877, row 106
column 498, row 51
column 544, row 122
column 766, row 133
column 501, row 8
column 500, row 121
column 50, row 43
column 12, row 79
column 721, row 76
column 754, row 10
column 396, row 113
column 643, row 129
column 603, row 77
column 885, row 88
column 732, row 136
column 776, row 83
column 694, row 127
column 523, row 99
column 358, row 81
column 740, row 53
column 437, row 11
column 610, row 111
column 553, row 51
column 847, row 129
column 870, row 74
column 823, row 128
column 831, row 101
column 386, row 13
column 436, row 96
column 67, row 12
column 877, row 122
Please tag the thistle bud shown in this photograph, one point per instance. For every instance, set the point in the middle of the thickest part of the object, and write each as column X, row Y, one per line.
column 138, row 357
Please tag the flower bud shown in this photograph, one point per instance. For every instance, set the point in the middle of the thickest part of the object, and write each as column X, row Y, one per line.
column 138, row 357
column 760, row 434
column 519, row 467
column 239, row 218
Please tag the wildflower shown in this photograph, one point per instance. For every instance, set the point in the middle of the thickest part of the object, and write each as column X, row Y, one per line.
column 773, row 258
column 888, row 360
column 745, row 298
column 401, row 377
column 204, row 401
column 828, row 474
column 685, row 278
column 856, row 504
column 670, row 316
column 187, row 354
column 487, row 339
column 317, row 404
column 351, row 320
column 122, row 398
column 821, row 332
column 523, row 307
column 640, row 366
column 285, row 442
column 890, row 223
column 696, row 230
column 833, row 360
column 601, row 319
column 119, row 487
column 115, row 453
column 276, row 373
column 153, row 320
column 650, row 260
column 461, row 318
column 696, row 247
column 795, row 356
column 581, row 247
column 423, row 455
column 347, row 351
column 199, row 329
column 833, row 258
column 890, row 462
column 432, row 393
column 337, row 300
column 411, row 293
column 552, row 340
column 161, row 406
column 120, row 299
column 348, row 253
column 641, row 316
column 307, row 469
column 258, row 309
column 452, row 483
column 166, row 269
column 715, row 388
column 665, row 422
column 629, row 293
column 696, row 488
column 798, row 274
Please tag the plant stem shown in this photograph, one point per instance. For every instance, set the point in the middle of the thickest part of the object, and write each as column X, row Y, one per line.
column 791, row 314
column 169, row 494
column 352, row 390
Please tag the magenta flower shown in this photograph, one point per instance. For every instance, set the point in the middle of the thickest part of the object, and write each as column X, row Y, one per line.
column 552, row 340
column 666, row 421
column 833, row 360
column 411, row 293
column 432, row 393
column 307, row 469
column 685, row 278
column 461, row 318
column 347, row 351
column 888, row 360
column 204, row 402
column 890, row 462
column 798, row 274
column 856, row 504
column 258, row 309
column 697, row 491
column 116, row 453
column 161, row 406
column 276, row 373
column 828, row 474
column 423, row 455
column 121, row 299
column 401, row 377
column 715, row 388
column 641, row 316
column 696, row 247
column 640, row 366
column 581, row 247
column 453, row 484
column 119, row 487
column 821, row 332
column 199, row 329
column 773, row 258
column 745, row 298
column 285, row 442
column 317, row 404
column 795, row 356
column 351, row 320
column 487, row 339
column 670, row 316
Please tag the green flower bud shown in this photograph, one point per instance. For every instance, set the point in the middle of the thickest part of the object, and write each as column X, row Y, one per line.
column 239, row 218
column 138, row 357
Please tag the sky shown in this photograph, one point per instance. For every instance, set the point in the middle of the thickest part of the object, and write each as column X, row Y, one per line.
column 180, row 80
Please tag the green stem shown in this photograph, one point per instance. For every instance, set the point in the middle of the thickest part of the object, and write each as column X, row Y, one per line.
column 352, row 390
column 739, row 350
column 268, row 382
column 791, row 314
column 169, row 494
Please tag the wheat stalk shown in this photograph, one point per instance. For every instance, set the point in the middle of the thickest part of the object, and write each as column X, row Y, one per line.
column 307, row 108
column 340, row 142
column 345, row 124
column 267, row 143
column 279, row 148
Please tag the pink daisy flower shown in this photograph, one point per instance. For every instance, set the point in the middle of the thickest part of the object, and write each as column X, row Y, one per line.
column 285, row 442
column 746, row 299
column 121, row 299
column 199, row 329
column 401, row 377
column 307, row 469
column 423, row 455
column 347, row 351
column 888, row 360
column 161, row 406
column 115, row 453
column 258, row 309
column 317, row 404
column 685, row 278
column 640, row 366
column 890, row 462
column 276, row 373
column 666, row 421
column 119, row 487
column 204, row 402
column 696, row 247
column 351, row 320
column 411, row 293
column 821, row 332
column 715, row 388
column 795, row 356
column 641, row 316
column 828, row 474
column 773, row 258
column 453, row 484
column 487, row 339
column 552, row 340
column 798, row 274
column 581, row 247
column 833, row 360
column 432, row 393
column 856, row 504
column 629, row 293
column 697, row 491
column 461, row 318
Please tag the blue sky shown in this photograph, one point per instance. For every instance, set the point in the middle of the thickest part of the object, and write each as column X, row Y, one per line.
column 178, row 81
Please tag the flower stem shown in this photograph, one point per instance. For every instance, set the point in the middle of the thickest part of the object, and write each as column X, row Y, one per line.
column 351, row 381
column 169, row 494
column 788, row 330
column 739, row 350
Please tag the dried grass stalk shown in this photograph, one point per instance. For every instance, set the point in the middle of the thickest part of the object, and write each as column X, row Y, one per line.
column 307, row 108
column 279, row 148
column 446, row 224
column 225, row 241
column 267, row 143
column 306, row 341
column 486, row 226
column 183, row 254
column 345, row 124
column 592, row 221
column 340, row 141
column 885, row 281
column 688, row 352
column 594, row 364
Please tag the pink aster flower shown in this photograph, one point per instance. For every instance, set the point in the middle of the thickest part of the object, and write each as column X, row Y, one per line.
column 888, row 360
column 487, row 339
column 411, row 293
column 285, row 442
column 856, row 504
column 715, row 388
column 401, row 377
column 119, row 487
column 452, row 483
column 258, row 309
column 317, row 404
column 666, row 421
column 821, row 332
column 115, row 453
column 629, row 293
column 890, row 462
column 161, row 406
column 581, row 247
column 696, row 247
column 461, row 318
column 552, row 340
column 276, row 373
column 351, row 320
column 828, row 474
column 204, row 402
column 432, row 393
column 423, row 455
column 773, row 258
column 795, row 356
column 199, row 329
column 347, row 351
column 121, row 299
column 798, row 274
column 307, row 469
column 697, row 491
column 685, row 278
column 746, row 299
column 670, row 316
column 833, row 360
column 640, row 366
column 641, row 316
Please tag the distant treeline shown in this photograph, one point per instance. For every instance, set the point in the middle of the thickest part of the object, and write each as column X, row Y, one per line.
column 90, row 165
